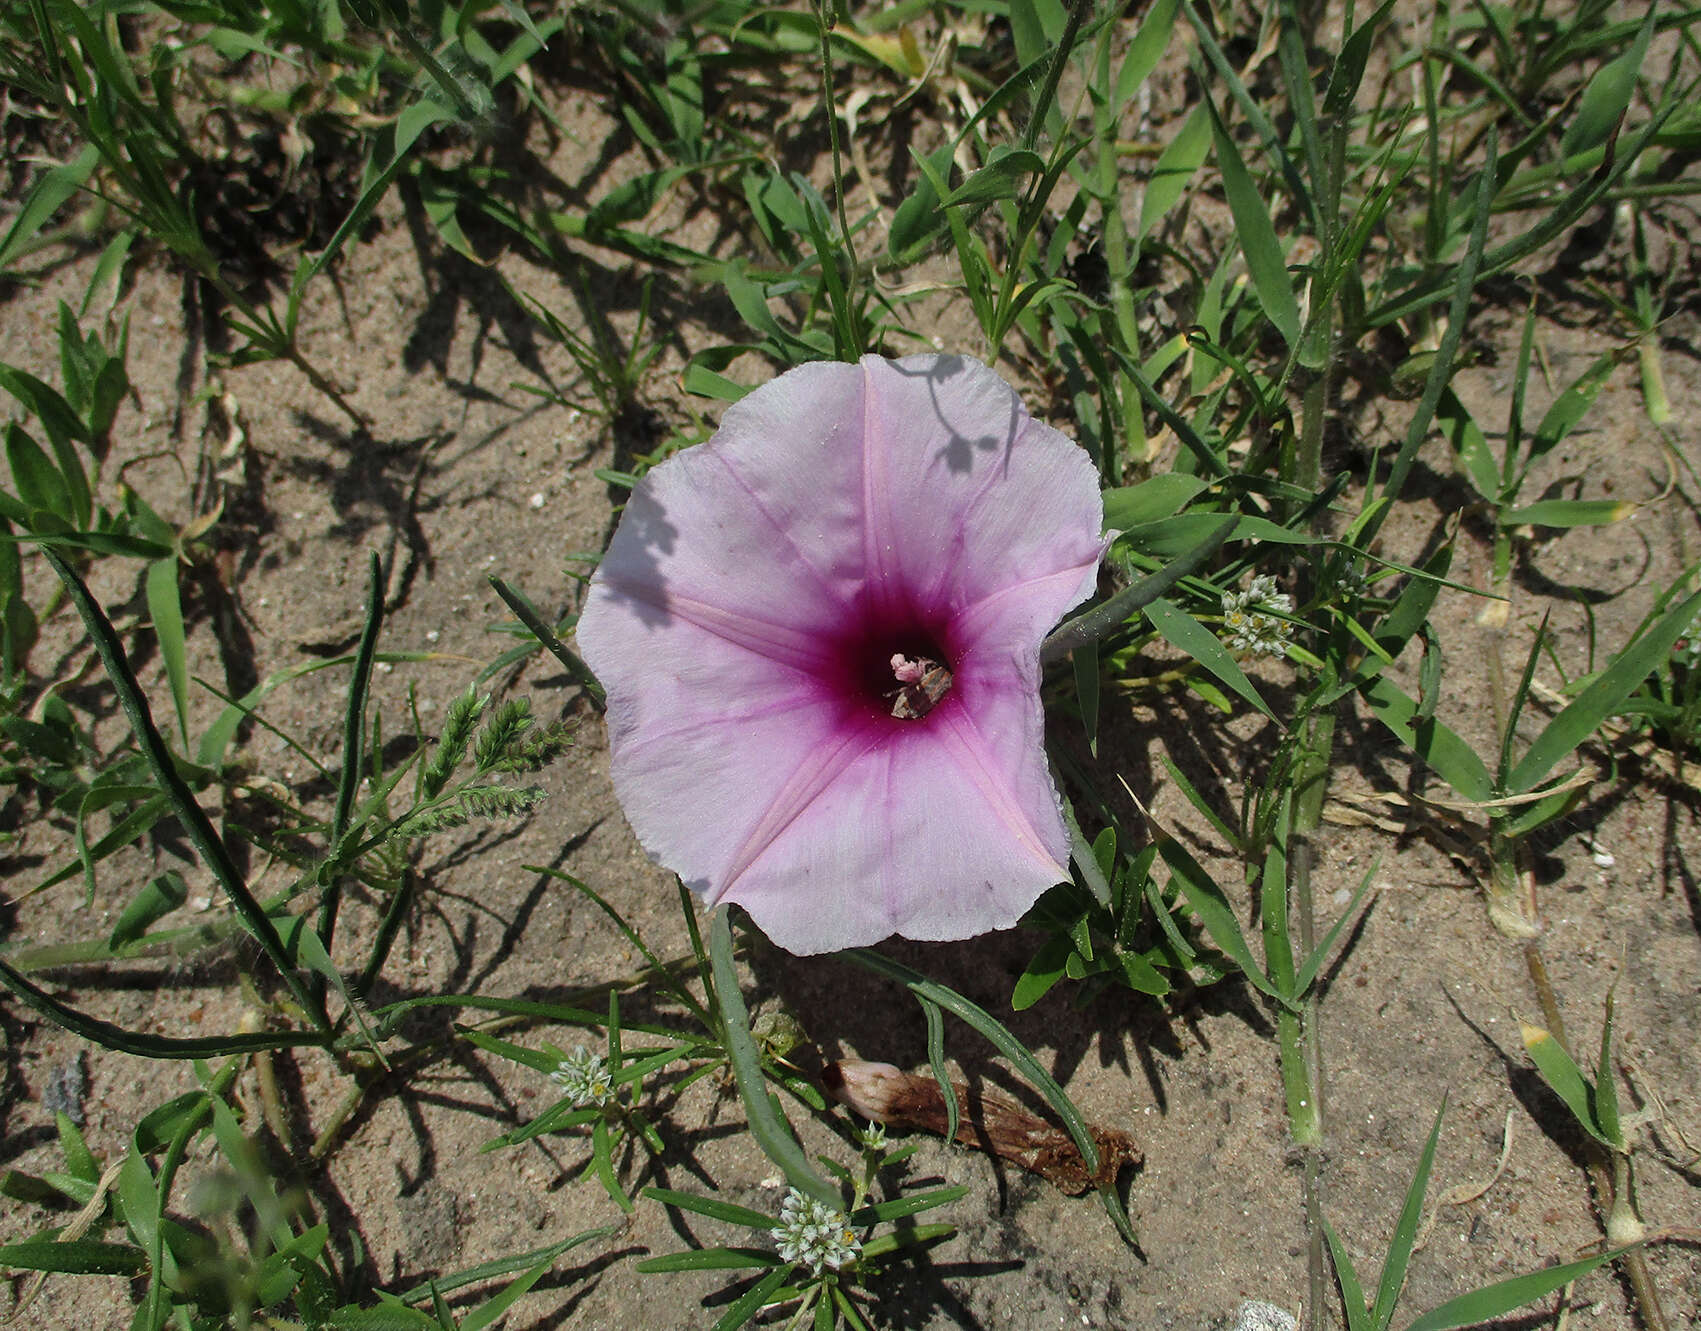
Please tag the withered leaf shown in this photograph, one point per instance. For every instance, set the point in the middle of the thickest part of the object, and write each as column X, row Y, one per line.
column 880, row 1092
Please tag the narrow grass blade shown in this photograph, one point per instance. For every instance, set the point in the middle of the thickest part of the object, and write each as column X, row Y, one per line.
column 1441, row 749
column 80, row 1257
column 576, row 669
column 709, row 1259
column 716, row 1209
column 1484, row 1305
column 165, row 608
column 55, row 186
column 1393, row 1276
column 1608, row 95
column 1603, row 697
column 1265, row 262
column 1206, row 900
column 202, row 835
column 753, row 1300
column 1013, row 1049
column 1183, row 631
column 1105, row 619
column 1606, row 1087
column 1352, row 1294
column 109, row 1036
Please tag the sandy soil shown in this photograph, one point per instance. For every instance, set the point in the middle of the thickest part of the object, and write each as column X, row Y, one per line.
column 463, row 475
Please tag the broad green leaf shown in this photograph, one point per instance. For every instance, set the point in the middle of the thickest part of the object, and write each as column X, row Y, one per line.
column 1603, row 697
column 1042, row 973
column 79, row 1160
column 39, row 483
column 1151, row 500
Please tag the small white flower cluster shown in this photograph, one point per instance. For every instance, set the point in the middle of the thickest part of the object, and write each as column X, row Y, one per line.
column 1250, row 631
column 813, row 1234
column 584, row 1077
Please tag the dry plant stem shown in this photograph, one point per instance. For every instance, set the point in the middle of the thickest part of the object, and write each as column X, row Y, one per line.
column 1609, row 1175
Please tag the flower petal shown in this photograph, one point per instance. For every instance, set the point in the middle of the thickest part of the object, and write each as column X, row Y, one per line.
column 929, row 835
column 743, row 618
column 968, row 496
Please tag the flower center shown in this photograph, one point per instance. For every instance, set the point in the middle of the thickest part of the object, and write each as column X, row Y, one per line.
column 922, row 682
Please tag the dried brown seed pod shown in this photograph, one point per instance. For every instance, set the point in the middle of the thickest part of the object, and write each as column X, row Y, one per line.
column 880, row 1092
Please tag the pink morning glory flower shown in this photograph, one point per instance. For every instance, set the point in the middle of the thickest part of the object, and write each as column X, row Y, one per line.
column 819, row 633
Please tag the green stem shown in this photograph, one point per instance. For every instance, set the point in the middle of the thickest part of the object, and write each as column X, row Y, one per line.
column 202, row 835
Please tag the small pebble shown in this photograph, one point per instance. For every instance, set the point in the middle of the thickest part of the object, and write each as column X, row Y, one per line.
column 536, row 501
column 66, row 1084
column 1255, row 1315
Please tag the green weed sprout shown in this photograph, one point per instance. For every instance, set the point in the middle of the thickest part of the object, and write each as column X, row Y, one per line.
column 826, row 1256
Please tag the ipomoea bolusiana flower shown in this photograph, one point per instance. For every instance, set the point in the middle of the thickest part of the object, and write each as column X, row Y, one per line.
column 819, row 633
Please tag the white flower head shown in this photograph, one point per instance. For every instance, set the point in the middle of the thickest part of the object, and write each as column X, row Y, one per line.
column 1248, row 627
column 584, row 1077
column 815, row 1235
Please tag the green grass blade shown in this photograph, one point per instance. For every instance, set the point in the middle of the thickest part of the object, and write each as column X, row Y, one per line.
column 1207, row 902
column 1393, row 1276
column 710, row 1259
column 80, row 1257
column 1603, row 697
column 1352, row 1295
column 51, row 191
column 1265, row 262
column 1608, row 95
column 109, row 1036
column 753, row 1300
column 1181, row 158
column 165, row 608
column 1484, row 1305
column 202, row 835
column 1564, row 1078
column 1441, row 749
column 1181, row 630
column 772, row 1134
